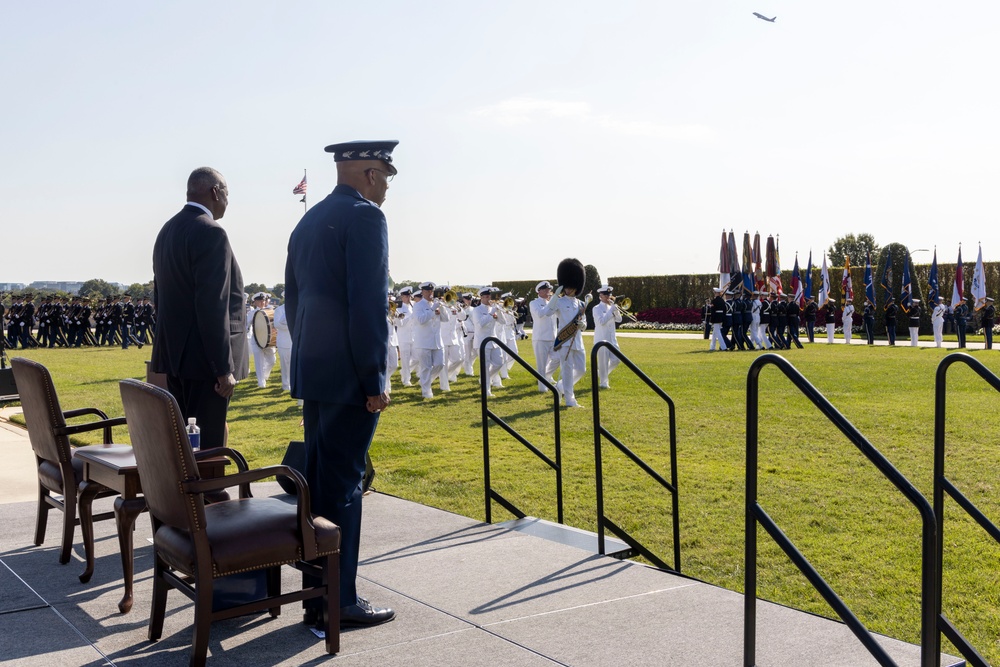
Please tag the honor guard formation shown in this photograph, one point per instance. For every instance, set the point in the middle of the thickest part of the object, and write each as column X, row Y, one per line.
column 77, row 322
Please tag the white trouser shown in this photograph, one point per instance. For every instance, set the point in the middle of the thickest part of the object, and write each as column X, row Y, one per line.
column 452, row 362
column 469, row 356
column 717, row 336
column 494, row 361
column 391, row 361
column 830, row 326
column 572, row 366
column 765, row 342
column 914, row 334
column 263, row 362
column 431, row 363
column 847, row 333
column 938, row 332
column 606, row 362
column 285, row 357
column 543, row 351
column 755, row 333
column 406, row 361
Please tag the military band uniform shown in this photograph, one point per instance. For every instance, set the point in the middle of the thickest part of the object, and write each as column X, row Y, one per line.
column 430, row 316
column 404, row 332
column 464, row 318
column 284, row 347
column 847, row 319
column 937, row 321
column 484, row 318
column 264, row 358
column 606, row 316
column 570, row 356
column 543, row 334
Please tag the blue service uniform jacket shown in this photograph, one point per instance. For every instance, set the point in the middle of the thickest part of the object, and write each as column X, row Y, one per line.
column 336, row 277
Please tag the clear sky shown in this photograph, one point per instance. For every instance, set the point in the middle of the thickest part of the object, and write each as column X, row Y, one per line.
column 627, row 134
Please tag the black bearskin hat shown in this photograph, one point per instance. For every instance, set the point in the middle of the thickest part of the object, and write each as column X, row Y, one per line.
column 571, row 274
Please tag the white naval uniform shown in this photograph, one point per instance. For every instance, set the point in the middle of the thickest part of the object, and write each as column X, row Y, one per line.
column 848, row 317
column 505, row 332
column 451, row 336
column 391, row 355
column 263, row 359
column 571, row 357
column 482, row 319
column 404, row 332
column 755, row 331
column 427, row 344
column 543, row 334
column 937, row 322
column 831, row 327
column 467, row 333
column 606, row 315
column 284, row 347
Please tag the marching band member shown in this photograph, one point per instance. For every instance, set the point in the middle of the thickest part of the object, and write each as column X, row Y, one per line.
column 404, row 331
column 606, row 316
column 263, row 358
column 451, row 336
column 848, row 320
column 505, row 332
column 543, row 331
column 284, row 343
column 484, row 318
column 568, row 348
column 937, row 321
column 464, row 317
column 428, row 347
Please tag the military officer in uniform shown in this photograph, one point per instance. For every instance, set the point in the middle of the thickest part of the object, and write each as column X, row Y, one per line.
column 831, row 319
column 606, row 316
column 404, row 332
column 914, row 322
column 809, row 314
column 989, row 317
column 543, row 331
column 937, row 321
column 890, row 320
column 961, row 317
column 792, row 312
column 718, row 317
column 484, row 318
column 428, row 346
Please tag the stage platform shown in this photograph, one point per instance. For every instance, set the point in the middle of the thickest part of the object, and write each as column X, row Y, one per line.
column 466, row 593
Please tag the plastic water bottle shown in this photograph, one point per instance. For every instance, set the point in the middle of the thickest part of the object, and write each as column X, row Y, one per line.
column 194, row 433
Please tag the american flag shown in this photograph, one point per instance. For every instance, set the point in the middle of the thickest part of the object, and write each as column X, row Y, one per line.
column 300, row 189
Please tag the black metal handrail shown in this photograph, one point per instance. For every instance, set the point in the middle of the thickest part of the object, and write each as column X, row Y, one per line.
column 929, row 646
column 489, row 415
column 603, row 522
column 942, row 484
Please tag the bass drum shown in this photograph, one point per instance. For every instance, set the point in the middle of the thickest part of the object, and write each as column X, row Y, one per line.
column 264, row 332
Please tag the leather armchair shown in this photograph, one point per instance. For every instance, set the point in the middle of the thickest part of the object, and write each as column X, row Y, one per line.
column 59, row 471
column 195, row 543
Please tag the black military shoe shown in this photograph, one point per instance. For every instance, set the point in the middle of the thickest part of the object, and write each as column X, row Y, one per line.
column 363, row 614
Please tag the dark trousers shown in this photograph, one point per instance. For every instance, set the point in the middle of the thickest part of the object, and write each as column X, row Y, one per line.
column 870, row 329
column 890, row 331
column 337, row 440
column 988, row 332
column 811, row 330
column 960, row 330
column 197, row 398
column 793, row 333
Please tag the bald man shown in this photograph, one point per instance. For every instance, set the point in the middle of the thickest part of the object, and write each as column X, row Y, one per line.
column 336, row 279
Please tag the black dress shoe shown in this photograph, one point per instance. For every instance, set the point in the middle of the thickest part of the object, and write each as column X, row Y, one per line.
column 363, row 614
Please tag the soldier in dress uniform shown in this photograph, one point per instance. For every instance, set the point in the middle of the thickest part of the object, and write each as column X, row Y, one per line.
column 937, row 321
column 847, row 319
column 989, row 317
column 606, row 316
column 718, row 318
column 571, row 322
column 961, row 316
column 428, row 346
column 543, row 331
column 869, row 317
column 727, row 321
column 792, row 312
column 27, row 321
column 44, row 323
column 781, row 329
column 284, row 348
column 809, row 314
column 765, row 322
column 890, row 320
column 831, row 319
column 755, row 307
column 914, row 322
column 746, row 321
column 464, row 317
column 484, row 318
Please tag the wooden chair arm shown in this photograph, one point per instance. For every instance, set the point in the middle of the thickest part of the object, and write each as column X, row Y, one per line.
column 234, row 456
column 105, row 424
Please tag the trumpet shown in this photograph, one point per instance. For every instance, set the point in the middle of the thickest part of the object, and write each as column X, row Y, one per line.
column 393, row 305
column 624, row 304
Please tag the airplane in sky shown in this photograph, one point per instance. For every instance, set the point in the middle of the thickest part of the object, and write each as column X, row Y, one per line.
column 762, row 17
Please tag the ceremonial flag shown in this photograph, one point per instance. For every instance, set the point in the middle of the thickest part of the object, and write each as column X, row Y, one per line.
column 886, row 282
column 870, row 280
column 747, row 268
column 735, row 277
column 905, row 291
column 773, row 267
column 300, row 189
column 758, row 275
column 958, row 291
column 824, row 289
column 979, row 282
column 932, row 293
column 724, row 262
column 797, row 282
column 847, row 284
column 809, row 276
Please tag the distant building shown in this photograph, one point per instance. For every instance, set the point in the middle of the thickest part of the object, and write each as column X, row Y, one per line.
column 58, row 285
column 11, row 287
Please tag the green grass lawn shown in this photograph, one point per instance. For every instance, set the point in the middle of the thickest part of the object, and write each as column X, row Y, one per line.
column 861, row 534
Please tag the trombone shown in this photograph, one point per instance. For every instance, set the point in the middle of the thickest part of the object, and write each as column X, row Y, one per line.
column 624, row 304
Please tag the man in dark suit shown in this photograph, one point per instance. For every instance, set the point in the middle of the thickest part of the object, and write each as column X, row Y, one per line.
column 200, row 339
column 336, row 278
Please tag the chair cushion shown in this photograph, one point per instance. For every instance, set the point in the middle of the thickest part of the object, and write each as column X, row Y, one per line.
column 245, row 534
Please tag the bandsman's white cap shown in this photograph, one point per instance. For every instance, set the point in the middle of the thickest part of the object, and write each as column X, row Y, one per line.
column 260, row 295
column 427, row 285
column 545, row 284
column 605, row 289
column 915, row 300
column 405, row 290
column 485, row 290
column 505, row 295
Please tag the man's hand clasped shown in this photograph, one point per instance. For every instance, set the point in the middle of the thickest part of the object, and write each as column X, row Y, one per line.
column 225, row 385
column 378, row 403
